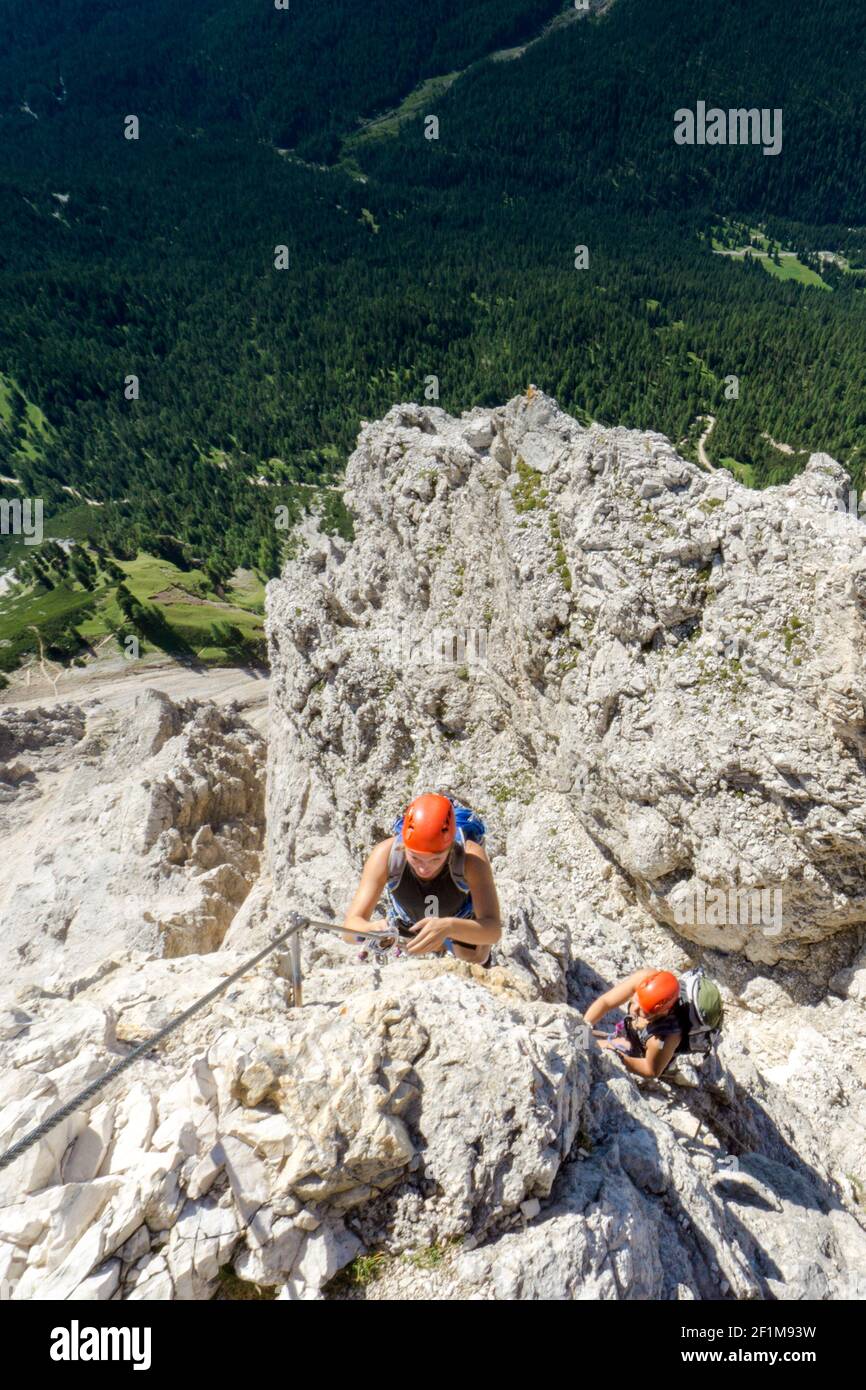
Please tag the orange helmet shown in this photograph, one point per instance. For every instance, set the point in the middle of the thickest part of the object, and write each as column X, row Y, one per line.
column 658, row 993
column 429, row 825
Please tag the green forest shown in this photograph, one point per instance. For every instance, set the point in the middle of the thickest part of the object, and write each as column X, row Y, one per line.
column 168, row 377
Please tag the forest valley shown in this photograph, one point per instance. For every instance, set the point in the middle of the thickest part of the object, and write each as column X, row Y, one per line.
column 407, row 258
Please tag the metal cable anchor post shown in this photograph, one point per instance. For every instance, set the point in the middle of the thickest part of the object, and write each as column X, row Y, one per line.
column 299, row 922
column 297, row 975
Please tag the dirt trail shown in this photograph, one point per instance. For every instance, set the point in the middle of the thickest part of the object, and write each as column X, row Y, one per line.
column 115, row 683
column 702, row 452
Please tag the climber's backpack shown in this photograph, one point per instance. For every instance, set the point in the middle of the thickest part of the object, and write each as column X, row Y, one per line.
column 701, row 1010
column 470, row 826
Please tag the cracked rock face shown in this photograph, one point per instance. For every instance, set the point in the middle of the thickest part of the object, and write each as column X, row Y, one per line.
column 141, row 832
column 679, row 656
column 420, row 1111
column 434, row 1103
column 542, row 621
column 643, row 696
column 652, row 1213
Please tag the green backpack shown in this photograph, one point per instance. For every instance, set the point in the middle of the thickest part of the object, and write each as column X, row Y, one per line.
column 701, row 1011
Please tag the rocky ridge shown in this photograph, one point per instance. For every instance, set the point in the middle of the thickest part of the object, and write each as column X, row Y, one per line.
column 458, row 1123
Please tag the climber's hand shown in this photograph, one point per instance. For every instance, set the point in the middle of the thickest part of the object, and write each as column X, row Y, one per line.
column 429, row 935
column 360, row 927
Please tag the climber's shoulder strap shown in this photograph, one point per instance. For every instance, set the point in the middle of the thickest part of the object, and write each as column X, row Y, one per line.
column 396, row 862
column 683, row 1017
column 457, row 862
column 396, row 866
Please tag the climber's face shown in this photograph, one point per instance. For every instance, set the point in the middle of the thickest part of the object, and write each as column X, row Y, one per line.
column 426, row 865
column 637, row 1012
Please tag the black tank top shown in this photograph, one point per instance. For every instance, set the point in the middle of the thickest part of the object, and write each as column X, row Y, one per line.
column 676, row 1021
column 413, row 895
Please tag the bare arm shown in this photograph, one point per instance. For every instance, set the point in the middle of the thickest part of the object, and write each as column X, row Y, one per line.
column 617, row 995
column 657, row 1056
column 487, row 927
column 373, row 879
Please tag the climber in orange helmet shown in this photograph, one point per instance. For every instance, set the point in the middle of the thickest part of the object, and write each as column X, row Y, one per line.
column 436, row 879
column 653, row 1027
